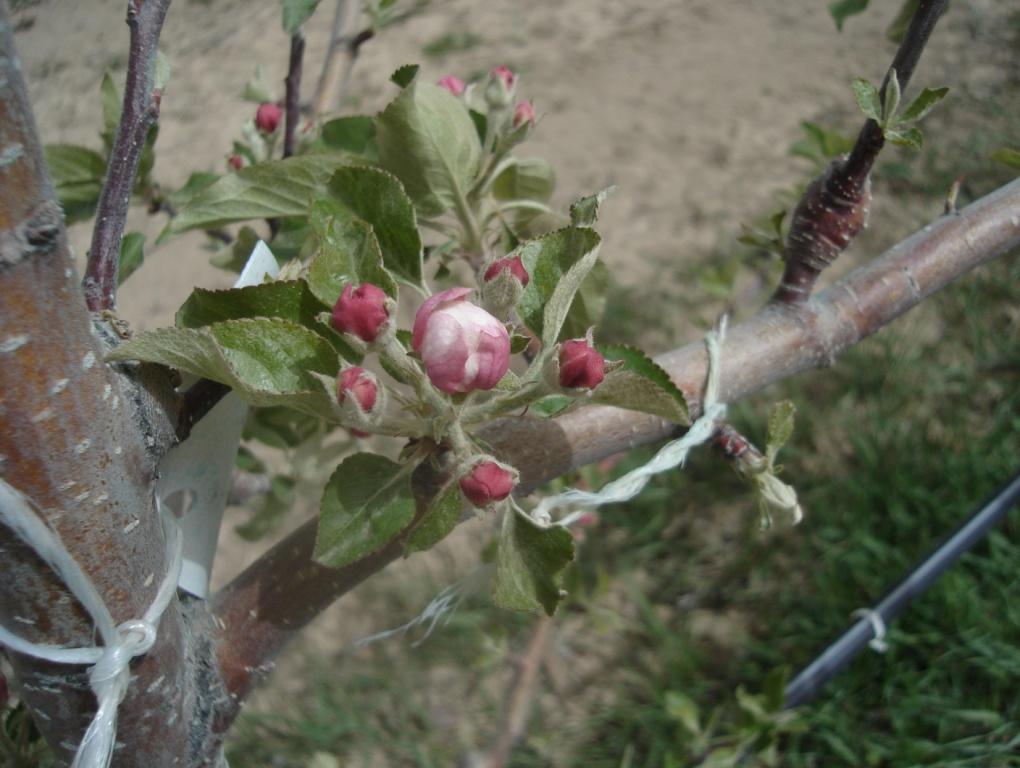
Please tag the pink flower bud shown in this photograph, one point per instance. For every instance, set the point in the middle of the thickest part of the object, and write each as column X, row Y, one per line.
column 524, row 113
column 581, row 366
column 453, row 84
column 267, row 117
column 487, row 482
column 463, row 347
column 361, row 311
column 358, row 383
column 235, row 162
column 505, row 75
column 513, row 265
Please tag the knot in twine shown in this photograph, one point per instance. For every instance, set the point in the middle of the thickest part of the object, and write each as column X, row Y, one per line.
column 110, row 675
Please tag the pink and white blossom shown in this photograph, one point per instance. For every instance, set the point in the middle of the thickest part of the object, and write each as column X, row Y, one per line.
column 464, row 348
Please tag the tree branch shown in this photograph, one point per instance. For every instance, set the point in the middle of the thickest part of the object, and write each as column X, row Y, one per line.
column 293, row 98
column 835, row 206
column 140, row 112
column 268, row 603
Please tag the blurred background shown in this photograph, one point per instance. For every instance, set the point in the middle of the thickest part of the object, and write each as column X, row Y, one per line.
column 683, row 616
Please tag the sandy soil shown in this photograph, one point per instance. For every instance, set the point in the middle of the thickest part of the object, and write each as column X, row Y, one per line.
column 688, row 106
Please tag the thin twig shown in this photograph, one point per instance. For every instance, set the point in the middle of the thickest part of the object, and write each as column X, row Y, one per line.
column 835, row 206
column 331, row 64
column 139, row 113
column 284, row 589
column 518, row 700
column 293, row 99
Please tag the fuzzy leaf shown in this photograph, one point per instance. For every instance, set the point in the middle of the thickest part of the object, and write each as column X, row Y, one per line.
column 267, row 361
column 891, row 101
column 841, row 9
column 867, row 99
column 440, row 518
column 161, row 76
column 528, row 564
column 585, row 212
column 376, row 197
column 906, row 137
column 589, row 304
column 404, row 75
column 196, row 183
column 641, row 385
column 131, row 255
column 427, row 140
column 366, row 502
column 267, row 190
column 348, row 253
column 922, row 105
column 77, row 174
column 111, row 102
column 558, row 263
column 285, row 299
column 780, row 428
column 296, row 13
column 354, row 134
column 528, row 179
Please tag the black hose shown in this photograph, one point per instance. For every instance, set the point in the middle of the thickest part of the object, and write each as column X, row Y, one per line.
column 826, row 666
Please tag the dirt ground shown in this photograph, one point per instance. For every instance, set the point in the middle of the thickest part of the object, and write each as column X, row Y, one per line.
column 688, row 106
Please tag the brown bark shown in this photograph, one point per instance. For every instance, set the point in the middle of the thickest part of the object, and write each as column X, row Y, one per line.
column 80, row 441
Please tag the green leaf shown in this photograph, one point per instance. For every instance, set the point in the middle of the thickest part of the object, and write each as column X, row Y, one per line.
column 131, row 255
column 111, row 102
column 354, row 134
column 376, row 197
column 279, row 427
column 866, row 95
column 267, row 190
column 366, row 503
column 233, row 257
column 589, row 303
column 161, row 76
column 1007, row 156
column 267, row 361
column 906, row 137
column 427, row 140
column 841, row 9
column 296, row 13
column 440, row 518
column 528, row 564
column 528, row 179
column 77, row 174
column 551, row 405
column 518, row 343
column 891, row 100
column 558, row 263
column 922, row 105
column 780, row 428
column 642, row 385
column 348, row 253
column 257, row 90
column 405, row 75
column 287, row 300
column 196, row 183
column 585, row 212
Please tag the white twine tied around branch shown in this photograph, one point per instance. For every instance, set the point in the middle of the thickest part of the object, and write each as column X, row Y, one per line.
column 673, row 454
column 110, row 674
